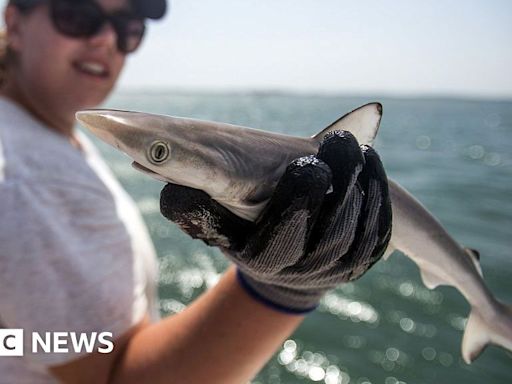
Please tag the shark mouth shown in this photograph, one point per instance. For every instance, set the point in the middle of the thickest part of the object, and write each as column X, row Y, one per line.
column 147, row 171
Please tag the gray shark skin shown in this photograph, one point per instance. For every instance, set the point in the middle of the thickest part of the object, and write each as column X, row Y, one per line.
column 239, row 167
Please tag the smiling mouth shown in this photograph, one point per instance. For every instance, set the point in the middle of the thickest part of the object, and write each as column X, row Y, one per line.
column 92, row 68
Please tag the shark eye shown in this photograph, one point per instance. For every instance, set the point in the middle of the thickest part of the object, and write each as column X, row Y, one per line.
column 158, row 152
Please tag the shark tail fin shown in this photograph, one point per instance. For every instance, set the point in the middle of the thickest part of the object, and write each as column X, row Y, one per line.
column 362, row 122
column 495, row 328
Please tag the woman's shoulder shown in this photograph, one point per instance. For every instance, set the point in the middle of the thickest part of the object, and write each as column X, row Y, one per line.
column 33, row 153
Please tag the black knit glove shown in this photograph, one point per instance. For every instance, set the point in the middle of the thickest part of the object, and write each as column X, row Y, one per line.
column 328, row 221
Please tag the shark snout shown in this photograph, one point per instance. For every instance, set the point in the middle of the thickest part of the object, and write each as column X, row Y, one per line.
column 113, row 127
column 100, row 124
column 129, row 132
column 97, row 120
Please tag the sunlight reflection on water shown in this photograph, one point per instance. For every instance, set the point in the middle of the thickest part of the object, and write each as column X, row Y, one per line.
column 453, row 155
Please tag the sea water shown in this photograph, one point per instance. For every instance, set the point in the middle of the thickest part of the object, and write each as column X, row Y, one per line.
column 454, row 155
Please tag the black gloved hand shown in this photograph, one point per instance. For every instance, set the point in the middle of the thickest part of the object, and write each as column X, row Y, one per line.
column 309, row 238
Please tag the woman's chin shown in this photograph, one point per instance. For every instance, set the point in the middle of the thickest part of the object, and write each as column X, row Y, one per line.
column 90, row 101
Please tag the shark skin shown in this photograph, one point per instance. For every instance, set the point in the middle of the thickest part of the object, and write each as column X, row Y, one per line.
column 239, row 167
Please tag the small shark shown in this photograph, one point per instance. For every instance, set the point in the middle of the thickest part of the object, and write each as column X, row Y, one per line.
column 239, row 167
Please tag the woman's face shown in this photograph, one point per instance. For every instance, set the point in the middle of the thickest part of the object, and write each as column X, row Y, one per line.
column 61, row 73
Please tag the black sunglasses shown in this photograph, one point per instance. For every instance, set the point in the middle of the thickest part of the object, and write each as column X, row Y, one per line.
column 85, row 18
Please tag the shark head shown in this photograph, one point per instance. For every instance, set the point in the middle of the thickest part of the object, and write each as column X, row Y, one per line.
column 146, row 142
column 160, row 146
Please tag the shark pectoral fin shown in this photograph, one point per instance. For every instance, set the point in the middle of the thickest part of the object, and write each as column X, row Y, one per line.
column 362, row 122
column 430, row 280
column 474, row 255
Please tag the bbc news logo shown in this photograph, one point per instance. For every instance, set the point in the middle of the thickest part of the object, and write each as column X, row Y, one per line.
column 11, row 342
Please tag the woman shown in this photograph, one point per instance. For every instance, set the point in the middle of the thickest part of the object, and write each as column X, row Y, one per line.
column 75, row 256
column 66, row 223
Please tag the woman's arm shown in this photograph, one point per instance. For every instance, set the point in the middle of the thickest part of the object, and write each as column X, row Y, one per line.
column 225, row 336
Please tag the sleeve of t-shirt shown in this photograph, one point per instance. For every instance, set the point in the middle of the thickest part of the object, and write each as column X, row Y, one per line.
column 66, row 264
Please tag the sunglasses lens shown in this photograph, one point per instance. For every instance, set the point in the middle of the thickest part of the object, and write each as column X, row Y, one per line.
column 76, row 18
column 130, row 32
column 86, row 18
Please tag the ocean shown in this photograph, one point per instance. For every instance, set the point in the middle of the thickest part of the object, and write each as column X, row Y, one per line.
column 454, row 155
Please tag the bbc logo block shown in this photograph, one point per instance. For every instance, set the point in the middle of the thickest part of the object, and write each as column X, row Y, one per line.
column 11, row 342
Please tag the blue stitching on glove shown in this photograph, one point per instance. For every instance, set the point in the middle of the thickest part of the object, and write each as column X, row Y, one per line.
column 255, row 295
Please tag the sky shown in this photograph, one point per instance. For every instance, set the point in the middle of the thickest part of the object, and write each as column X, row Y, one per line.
column 395, row 47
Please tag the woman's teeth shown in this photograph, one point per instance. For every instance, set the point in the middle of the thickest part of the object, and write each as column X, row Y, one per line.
column 93, row 68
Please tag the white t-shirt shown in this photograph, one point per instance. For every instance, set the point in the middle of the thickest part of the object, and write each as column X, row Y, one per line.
column 75, row 255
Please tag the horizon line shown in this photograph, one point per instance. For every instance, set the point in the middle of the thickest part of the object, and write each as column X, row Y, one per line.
column 320, row 93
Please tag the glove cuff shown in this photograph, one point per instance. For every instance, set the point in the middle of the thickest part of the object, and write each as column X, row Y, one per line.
column 282, row 299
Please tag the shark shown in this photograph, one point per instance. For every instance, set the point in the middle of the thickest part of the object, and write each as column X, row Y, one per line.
column 239, row 167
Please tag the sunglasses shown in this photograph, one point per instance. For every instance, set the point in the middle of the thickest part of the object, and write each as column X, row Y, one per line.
column 85, row 18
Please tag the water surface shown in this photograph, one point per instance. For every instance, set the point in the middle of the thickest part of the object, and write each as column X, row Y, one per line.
column 455, row 156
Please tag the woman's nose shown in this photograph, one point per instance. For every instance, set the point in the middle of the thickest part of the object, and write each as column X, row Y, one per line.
column 106, row 36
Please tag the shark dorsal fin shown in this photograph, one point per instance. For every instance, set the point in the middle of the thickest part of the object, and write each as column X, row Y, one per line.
column 362, row 122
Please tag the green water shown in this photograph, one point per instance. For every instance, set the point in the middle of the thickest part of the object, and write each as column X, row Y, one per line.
column 455, row 156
